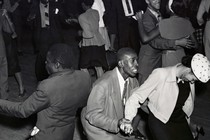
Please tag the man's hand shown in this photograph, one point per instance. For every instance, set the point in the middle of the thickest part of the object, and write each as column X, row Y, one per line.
column 4, row 12
column 139, row 15
column 125, row 126
column 185, row 42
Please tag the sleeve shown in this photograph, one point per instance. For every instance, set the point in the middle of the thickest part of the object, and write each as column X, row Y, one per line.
column 140, row 94
column 6, row 26
column 35, row 103
column 96, row 111
column 158, row 42
column 11, row 8
column 201, row 11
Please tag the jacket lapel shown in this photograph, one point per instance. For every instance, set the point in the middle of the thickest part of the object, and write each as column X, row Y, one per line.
column 116, row 95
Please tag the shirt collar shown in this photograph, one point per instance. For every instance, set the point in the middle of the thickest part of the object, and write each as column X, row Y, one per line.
column 121, row 81
column 155, row 13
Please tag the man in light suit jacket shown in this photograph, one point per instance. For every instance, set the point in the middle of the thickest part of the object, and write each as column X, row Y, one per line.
column 56, row 99
column 102, row 115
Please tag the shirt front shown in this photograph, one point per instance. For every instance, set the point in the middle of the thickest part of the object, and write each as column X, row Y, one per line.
column 156, row 14
column 44, row 8
column 121, row 82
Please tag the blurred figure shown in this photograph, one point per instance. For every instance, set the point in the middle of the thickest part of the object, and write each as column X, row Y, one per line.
column 92, row 45
column 14, row 9
column 45, row 17
column 4, row 26
column 12, row 55
column 204, row 9
column 150, row 56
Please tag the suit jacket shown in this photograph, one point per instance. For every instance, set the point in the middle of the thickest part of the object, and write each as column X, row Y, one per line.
column 150, row 55
column 105, row 108
column 55, row 101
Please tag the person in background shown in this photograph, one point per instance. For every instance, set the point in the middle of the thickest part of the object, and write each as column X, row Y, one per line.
column 46, row 18
column 11, row 42
column 4, row 27
column 103, row 114
column 56, row 99
column 170, row 92
column 14, row 9
column 150, row 56
column 205, row 8
column 92, row 45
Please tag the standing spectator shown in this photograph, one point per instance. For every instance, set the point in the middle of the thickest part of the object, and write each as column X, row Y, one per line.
column 92, row 45
column 14, row 8
column 205, row 8
column 104, row 111
column 56, row 99
column 4, row 26
column 11, row 42
column 171, row 94
column 46, row 17
column 127, row 32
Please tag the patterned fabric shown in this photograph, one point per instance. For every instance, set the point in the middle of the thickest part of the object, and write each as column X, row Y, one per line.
column 199, row 36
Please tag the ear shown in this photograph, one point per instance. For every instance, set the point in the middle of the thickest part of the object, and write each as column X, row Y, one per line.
column 120, row 63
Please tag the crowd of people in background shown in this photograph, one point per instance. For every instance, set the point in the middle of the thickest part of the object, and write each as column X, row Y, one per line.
column 160, row 48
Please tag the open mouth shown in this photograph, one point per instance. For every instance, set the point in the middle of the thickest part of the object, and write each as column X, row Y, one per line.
column 134, row 70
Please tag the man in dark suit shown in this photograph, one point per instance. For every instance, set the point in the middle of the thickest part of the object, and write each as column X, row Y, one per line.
column 56, row 99
column 105, row 108
column 150, row 56
column 45, row 17
column 124, row 25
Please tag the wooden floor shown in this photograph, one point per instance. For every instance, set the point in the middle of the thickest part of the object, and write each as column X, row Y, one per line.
column 18, row 129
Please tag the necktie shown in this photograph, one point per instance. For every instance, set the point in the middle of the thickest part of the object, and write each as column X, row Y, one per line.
column 159, row 17
column 125, row 90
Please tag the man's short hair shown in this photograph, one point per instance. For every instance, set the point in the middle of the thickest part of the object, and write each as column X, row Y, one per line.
column 63, row 54
column 124, row 51
column 88, row 2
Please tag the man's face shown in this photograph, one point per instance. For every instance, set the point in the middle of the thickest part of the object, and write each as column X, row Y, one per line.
column 188, row 76
column 130, row 64
column 50, row 66
column 154, row 4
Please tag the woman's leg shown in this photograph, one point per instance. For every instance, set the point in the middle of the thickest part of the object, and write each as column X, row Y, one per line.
column 20, row 82
column 99, row 71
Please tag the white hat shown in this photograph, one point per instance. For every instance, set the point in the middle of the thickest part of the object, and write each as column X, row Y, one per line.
column 201, row 67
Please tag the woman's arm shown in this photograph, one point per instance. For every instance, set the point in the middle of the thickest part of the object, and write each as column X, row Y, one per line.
column 145, row 37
